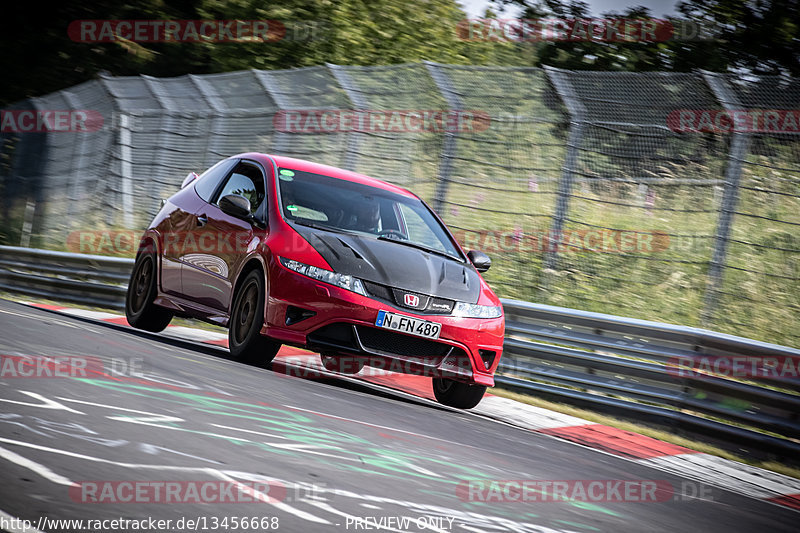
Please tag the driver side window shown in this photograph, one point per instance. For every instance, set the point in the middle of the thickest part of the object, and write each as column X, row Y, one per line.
column 246, row 180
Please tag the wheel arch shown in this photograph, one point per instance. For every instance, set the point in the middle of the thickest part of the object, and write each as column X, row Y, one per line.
column 254, row 262
column 150, row 243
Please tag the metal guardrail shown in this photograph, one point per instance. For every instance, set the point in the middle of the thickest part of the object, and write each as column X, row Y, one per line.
column 630, row 368
column 610, row 364
column 81, row 278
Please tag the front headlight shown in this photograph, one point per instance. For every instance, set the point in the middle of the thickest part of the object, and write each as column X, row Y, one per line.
column 326, row 276
column 465, row 310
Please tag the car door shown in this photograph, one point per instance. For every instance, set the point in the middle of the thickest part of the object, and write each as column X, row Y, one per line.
column 182, row 220
column 218, row 242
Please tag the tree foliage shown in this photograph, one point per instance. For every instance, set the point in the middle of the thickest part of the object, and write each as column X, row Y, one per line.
column 759, row 36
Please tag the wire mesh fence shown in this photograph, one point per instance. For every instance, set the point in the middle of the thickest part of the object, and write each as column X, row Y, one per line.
column 578, row 184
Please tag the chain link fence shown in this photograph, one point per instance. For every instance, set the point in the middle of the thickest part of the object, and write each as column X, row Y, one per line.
column 577, row 183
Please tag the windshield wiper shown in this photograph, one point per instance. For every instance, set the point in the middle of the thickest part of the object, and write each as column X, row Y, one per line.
column 315, row 225
column 418, row 246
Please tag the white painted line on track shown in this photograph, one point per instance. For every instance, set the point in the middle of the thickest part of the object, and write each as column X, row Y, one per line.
column 524, row 415
column 33, row 466
column 206, row 470
column 277, row 504
column 719, row 472
column 46, row 403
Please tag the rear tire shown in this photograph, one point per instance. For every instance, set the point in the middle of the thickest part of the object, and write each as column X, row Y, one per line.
column 140, row 310
column 245, row 341
column 457, row 394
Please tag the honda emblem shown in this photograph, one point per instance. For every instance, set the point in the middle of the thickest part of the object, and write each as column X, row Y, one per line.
column 411, row 300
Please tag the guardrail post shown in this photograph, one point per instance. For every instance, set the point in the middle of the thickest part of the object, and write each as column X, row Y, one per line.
column 346, row 82
column 740, row 144
column 454, row 105
column 558, row 78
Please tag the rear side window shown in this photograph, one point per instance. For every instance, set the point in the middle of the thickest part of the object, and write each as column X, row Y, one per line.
column 209, row 181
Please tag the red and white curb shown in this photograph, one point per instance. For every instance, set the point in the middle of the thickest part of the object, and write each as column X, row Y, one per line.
column 709, row 469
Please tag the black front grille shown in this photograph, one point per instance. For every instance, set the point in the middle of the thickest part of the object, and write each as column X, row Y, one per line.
column 433, row 305
column 397, row 343
column 378, row 291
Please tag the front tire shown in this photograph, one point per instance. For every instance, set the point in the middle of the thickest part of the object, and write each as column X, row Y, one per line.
column 457, row 394
column 245, row 341
column 140, row 311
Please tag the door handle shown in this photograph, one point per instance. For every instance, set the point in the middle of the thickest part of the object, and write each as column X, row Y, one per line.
column 202, row 220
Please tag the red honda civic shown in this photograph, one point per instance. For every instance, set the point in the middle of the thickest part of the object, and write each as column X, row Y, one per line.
column 285, row 251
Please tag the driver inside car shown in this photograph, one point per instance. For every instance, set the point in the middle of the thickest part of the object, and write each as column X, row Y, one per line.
column 365, row 216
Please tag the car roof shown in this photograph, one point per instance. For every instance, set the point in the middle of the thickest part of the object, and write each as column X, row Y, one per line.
column 327, row 170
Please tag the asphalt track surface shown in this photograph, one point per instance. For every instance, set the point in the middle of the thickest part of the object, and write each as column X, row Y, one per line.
column 325, row 454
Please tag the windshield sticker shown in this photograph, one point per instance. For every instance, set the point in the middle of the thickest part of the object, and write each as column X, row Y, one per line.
column 286, row 175
column 292, row 208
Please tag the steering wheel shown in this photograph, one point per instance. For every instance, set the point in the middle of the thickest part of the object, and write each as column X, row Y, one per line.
column 393, row 232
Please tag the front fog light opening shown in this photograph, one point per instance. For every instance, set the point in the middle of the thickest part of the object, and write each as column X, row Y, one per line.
column 487, row 356
column 297, row 314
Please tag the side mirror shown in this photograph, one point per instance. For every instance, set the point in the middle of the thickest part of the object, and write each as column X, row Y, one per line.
column 235, row 205
column 190, row 177
column 481, row 261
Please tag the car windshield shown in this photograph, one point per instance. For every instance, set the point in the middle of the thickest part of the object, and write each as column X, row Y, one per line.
column 340, row 205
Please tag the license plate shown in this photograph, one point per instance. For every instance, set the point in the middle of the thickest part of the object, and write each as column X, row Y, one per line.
column 408, row 324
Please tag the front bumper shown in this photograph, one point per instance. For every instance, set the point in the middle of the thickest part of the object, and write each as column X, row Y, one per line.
column 337, row 321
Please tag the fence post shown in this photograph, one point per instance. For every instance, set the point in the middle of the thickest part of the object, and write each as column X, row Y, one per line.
column 577, row 114
column 126, row 170
column 740, row 144
column 215, row 124
column 166, row 123
column 263, row 77
column 454, row 105
column 345, row 81
column 76, row 179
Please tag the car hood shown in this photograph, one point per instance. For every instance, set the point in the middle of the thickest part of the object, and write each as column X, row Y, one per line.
column 393, row 264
